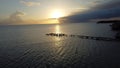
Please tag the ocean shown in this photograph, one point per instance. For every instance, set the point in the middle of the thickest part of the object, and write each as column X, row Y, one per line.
column 27, row 46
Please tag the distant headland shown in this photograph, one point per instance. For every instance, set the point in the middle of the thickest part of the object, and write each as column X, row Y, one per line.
column 109, row 21
column 115, row 24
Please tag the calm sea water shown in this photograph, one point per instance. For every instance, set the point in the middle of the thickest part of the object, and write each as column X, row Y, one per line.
column 28, row 47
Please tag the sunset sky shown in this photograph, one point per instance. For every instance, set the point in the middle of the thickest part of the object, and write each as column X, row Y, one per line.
column 42, row 11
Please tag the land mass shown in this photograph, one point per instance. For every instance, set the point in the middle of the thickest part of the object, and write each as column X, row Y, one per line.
column 109, row 21
column 115, row 24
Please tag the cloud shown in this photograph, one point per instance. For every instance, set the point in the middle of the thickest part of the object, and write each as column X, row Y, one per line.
column 14, row 18
column 17, row 18
column 30, row 3
column 111, row 4
column 105, row 10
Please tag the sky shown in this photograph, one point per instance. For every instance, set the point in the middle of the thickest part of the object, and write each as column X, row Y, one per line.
column 14, row 12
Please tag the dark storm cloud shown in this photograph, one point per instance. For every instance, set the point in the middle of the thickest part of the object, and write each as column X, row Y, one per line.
column 111, row 4
column 107, row 10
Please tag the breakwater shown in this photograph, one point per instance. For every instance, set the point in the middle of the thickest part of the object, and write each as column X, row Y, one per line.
column 82, row 37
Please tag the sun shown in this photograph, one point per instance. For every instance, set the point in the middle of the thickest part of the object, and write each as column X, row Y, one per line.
column 56, row 14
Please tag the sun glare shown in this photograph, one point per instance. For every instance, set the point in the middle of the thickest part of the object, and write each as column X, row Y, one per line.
column 56, row 14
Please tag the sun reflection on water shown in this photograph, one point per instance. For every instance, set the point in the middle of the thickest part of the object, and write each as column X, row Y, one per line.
column 57, row 29
column 58, row 43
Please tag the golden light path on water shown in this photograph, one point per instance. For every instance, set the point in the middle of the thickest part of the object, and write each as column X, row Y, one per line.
column 57, row 31
column 57, row 44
